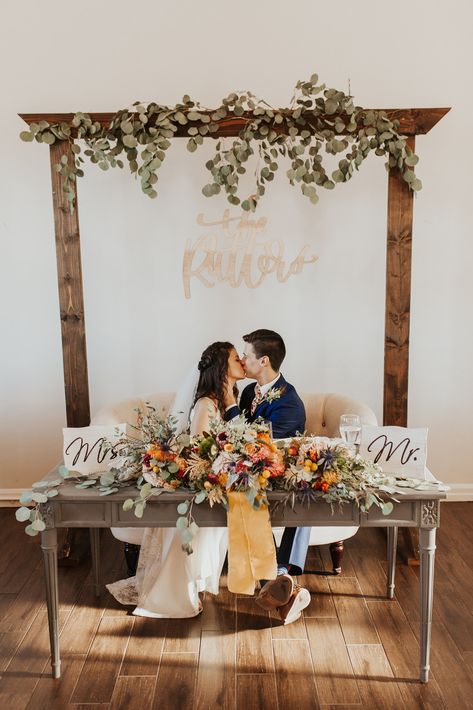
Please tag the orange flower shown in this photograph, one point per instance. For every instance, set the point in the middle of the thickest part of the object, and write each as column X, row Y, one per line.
column 222, row 478
column 325, row 486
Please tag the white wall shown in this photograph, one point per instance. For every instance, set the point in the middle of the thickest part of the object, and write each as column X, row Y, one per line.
column 142, row 333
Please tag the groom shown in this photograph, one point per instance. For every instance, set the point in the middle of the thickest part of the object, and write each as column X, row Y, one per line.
column 276, row 401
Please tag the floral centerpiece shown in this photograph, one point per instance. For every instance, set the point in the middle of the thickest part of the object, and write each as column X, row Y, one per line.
column 321, row 468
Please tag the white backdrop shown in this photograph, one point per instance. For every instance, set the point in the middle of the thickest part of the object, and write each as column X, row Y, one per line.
column 142, row 333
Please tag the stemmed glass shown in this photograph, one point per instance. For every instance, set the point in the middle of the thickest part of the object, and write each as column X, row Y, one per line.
column 350, row 430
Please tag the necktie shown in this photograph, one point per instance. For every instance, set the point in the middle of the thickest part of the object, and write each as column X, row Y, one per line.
column 257, row 399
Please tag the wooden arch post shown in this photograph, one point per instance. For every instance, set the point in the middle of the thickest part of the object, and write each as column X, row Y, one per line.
column 398, row 268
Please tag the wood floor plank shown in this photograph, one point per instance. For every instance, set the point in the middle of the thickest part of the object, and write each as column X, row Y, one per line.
column 219, row 612
column 402, row 651
column 321, row 603
column 99, row 674
column 407, row 590
column 23, row 558
column 6, row 602
column 9, row 643
column 294, row 674
column 332, row 668
column 374, row 677
column 24, row 671
column 295, row 630
column 183, row 635
column 254, row 641
column 29, row 601
column 451, row 611
column 369, row 573
column 143, row 653
column 216, row 672
column 352, row 611
column 175, row 687
column 254, row 692
column 51, row 694
column 131, row 690
column 83, row 622
column 455, row 679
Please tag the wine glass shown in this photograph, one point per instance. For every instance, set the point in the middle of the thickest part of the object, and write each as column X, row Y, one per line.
column 350, row 430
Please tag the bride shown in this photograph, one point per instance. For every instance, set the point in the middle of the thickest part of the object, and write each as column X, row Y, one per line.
column 168, row 581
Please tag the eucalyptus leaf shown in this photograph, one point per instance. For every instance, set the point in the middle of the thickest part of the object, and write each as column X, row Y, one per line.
column 22, row 514
column 29, row 530
column 38, row 525
column 39, row 497
column 182, row 508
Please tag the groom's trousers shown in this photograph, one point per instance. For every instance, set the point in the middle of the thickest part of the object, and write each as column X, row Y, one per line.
column 292, row 551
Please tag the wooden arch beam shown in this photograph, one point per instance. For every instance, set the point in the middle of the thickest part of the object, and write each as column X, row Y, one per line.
column 413, row 121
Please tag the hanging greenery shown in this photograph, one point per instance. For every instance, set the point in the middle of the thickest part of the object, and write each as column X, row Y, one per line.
column 318, row 120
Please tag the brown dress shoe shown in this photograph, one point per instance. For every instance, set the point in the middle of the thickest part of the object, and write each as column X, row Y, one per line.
column 276, row 593
column 291, row 611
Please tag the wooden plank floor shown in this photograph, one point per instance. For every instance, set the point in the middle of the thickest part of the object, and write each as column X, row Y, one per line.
column 352, row 648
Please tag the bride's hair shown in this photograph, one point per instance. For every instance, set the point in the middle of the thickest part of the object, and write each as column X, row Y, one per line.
column 213, row 368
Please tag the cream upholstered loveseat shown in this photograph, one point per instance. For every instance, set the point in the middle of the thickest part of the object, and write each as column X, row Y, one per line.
column 322, row 419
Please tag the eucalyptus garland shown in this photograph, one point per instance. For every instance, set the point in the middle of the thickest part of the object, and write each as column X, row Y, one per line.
column 318, row 120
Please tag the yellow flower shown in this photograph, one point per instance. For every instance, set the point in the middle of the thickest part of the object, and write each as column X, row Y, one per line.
column 262, row 481
column 156, row 469
column 314, row 467
column 207, row 485
column 228, row 447
column 266, row 473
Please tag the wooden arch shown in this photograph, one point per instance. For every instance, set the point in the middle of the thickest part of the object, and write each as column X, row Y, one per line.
column 398, row 267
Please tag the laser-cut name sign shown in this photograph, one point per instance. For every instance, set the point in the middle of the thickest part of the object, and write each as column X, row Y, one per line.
column 398, row 450
column 235, row 250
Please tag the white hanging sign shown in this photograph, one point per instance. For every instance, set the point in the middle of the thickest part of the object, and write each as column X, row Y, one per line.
column 85, row 448
column 398, row 450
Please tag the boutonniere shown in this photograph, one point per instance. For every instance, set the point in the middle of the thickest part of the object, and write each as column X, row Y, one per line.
column 273, row 394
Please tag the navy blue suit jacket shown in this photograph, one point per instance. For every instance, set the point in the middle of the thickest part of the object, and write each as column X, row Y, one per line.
column 286, row 414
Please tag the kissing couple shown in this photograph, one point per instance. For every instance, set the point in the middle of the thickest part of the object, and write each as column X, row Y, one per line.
column 168, row 581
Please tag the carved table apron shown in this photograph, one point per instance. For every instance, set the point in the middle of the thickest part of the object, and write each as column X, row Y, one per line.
column 84, row 508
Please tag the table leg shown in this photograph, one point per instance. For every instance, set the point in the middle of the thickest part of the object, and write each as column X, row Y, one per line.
column 49, row 547
column 392, row 546
column 427, row 560
column 95, row 552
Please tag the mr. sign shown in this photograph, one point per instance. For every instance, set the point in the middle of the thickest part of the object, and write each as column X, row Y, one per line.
column 398, row 450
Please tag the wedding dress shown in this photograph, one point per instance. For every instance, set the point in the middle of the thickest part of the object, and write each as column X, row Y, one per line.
column 168, row 580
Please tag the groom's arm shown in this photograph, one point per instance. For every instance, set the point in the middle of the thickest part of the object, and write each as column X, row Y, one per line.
column 233, row 410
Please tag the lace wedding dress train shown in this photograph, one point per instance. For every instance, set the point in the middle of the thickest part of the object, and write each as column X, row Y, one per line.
column 168, row 580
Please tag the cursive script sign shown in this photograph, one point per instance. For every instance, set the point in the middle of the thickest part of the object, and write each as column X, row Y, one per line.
column 87, row 449
column 234, row 250
column 398, row 450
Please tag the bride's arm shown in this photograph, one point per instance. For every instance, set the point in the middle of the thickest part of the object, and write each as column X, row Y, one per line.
column 204, row 411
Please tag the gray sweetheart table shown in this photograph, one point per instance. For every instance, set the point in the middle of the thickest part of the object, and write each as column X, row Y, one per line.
column 85, row 508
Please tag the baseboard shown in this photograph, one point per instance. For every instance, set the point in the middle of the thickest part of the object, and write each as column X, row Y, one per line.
column 458, row 492
column 9, row 497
